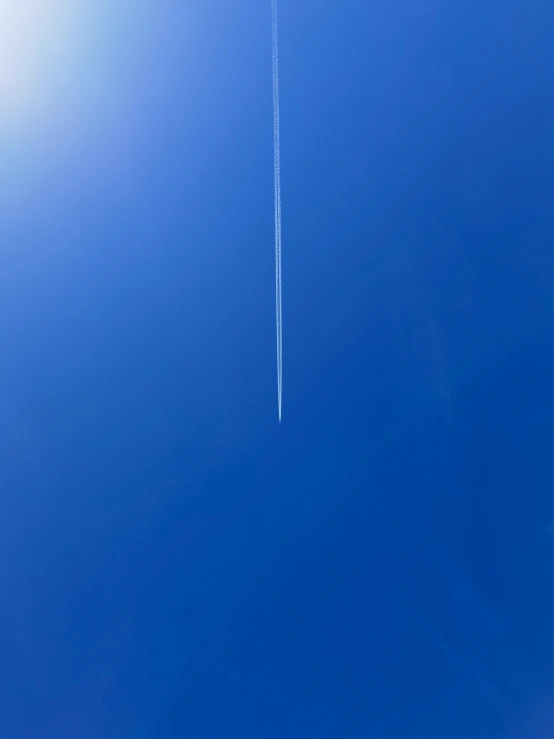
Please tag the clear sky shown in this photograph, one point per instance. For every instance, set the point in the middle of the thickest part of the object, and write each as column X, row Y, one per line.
column 174, row 563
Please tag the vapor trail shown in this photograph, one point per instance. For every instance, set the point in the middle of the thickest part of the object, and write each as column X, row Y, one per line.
column 277, row 197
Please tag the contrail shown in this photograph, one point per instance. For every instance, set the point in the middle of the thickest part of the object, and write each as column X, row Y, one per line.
column 277, row 196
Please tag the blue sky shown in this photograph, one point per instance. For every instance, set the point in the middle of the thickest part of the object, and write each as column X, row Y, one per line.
column 175, row 563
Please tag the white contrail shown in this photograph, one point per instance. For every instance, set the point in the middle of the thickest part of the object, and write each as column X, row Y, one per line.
column 277, row 195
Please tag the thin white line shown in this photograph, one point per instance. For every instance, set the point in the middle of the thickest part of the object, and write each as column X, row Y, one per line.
column 277, row 198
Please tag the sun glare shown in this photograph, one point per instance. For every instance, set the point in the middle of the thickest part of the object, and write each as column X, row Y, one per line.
column 32, row 34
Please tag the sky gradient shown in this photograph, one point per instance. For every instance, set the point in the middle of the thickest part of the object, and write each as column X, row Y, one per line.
column 174, row 563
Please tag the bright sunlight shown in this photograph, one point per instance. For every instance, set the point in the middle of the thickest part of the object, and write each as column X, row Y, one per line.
column 32, row 35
